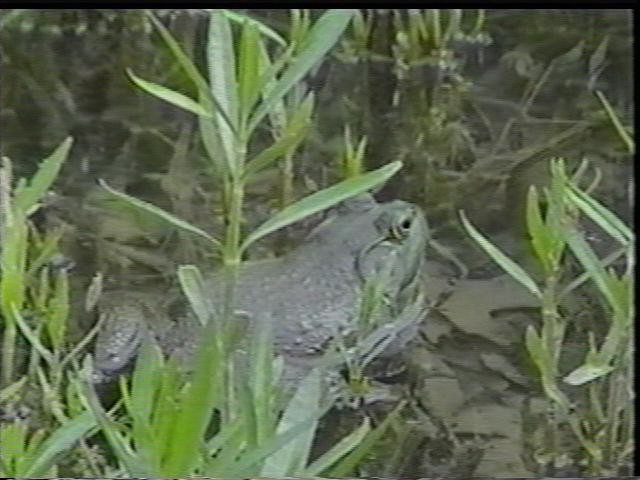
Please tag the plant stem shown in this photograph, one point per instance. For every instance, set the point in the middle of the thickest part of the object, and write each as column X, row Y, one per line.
column 8, row 350
column 232, row 245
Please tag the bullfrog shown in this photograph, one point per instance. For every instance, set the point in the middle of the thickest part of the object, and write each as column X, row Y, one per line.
column 308, row 297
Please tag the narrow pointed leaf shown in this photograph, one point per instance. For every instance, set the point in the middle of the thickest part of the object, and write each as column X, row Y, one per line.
column 508, row 265
column 292, row 457
column 222, row 79
column 60, row 442
column 192, row 283
column 264, row 29
column 601, row 215
column 42, row 180
column 158, row 212
column 339, row 450
column 293, row 135
column 322, row 200
column 321, row 38
column 170, row 96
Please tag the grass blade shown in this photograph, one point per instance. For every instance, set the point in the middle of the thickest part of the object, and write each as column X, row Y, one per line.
column 322, row 200
column 59, row 443
column 508, row 265
column 601, row 215
column 339, row 450
column 262, row 28
column 191, row 282
column 25, row 198
column 349, row 463
column 170, row 96
column 158, row 212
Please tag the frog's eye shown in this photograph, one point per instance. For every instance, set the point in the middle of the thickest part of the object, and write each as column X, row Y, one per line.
column 400, row 229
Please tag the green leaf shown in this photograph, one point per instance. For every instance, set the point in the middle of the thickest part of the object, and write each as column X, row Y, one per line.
column 601, row 215
column 31, row 335
column 321, row 38
column 222, row 79
column 192, row 284
column 158, row 212
column 624, row 135
column 211, row 141
column 190, row 69
column 500, row 258
column 133, row 463
column 264, row 29
column 145, row 380
column 294, row 133
column 339, row 450
column 292, row 458
column 196, row 407
column 58, row 311
column 587, row 373
column 249, row 70
column 12, row 390
column 591, row 263
column 27, row 197
column 170, row 96
column 322, row 200
column 184, row 61
column 261, row 382
column 537, row 229
column 58, row 444
column 347, row 464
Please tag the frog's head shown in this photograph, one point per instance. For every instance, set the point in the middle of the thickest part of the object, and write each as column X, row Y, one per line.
column 376, row 236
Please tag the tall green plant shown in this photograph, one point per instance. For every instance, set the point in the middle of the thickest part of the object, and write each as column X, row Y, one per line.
column 245, row 86
column 604, row 430
column 16, row 206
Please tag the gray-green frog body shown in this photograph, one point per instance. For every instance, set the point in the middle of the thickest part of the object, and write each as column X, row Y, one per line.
column 308, row 297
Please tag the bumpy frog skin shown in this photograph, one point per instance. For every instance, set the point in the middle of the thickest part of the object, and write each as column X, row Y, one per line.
column 307, row 296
